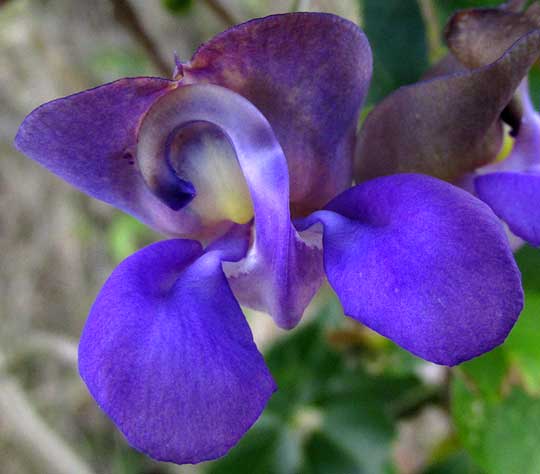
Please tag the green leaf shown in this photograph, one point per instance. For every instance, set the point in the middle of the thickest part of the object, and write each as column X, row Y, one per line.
column 534, row 85
column 269, row 447
column 452, row 5
column 177, row 7
column 329, row 415
column 446, row 8
column 487, row 373
column 513, row 436
column 502, row 437
column 363, row 430
column 110, row 64
column 324, row 456
column 302, row 365
column 396, row 33
column 528, row 259
column 126, row 235
column 358, row 412
column 523, row 344
column 458, row 463
column 471, row 417
column 521, row 351
column 498, row 421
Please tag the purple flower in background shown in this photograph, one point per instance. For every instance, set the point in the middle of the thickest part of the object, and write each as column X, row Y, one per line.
column 239, row 156
column 453, row 124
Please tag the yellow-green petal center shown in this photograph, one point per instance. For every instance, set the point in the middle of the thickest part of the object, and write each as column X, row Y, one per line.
column 201, row 153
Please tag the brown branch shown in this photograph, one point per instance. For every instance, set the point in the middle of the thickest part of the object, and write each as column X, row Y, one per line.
column 126, row 15
column 22, row 425
column 220, row 11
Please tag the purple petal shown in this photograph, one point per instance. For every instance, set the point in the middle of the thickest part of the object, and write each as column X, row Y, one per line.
column 515, row 198
column 525, row 152
column 449, row 64
column 514, row 5
column 447, row 126
column 480, row 36
column 424, row 263
column 512, row 187
column 168, row 355
column 308, row 73
column 280, row 273
column 278, row 280
column 89, row 139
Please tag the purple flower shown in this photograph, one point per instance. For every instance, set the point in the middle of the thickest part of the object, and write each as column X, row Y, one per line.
column 453, row 125
column 239, row 155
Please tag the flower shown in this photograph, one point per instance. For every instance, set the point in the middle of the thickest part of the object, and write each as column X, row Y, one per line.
column 239, row 155
column 454, row 124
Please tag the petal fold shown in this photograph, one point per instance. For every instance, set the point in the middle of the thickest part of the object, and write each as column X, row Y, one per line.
column 89, row 139
column 480, row 36
column 424, row 263
column 168, row 355
column 280, row 273
column 308, row 73
column 525, row 153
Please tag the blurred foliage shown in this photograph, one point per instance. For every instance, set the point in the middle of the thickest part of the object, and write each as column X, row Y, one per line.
column 110, row 64
column 395, row 30
column 534, row 85
column 342, row 390
column 446, row 8
column 502, row 436
column 457, row 463
column 178, row 7
column 126, row 235
column 330, row 415
column 496, row 397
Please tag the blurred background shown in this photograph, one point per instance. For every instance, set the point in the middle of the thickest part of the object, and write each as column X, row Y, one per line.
column 350, row 402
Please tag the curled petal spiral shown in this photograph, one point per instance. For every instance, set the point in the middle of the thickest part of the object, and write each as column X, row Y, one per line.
column 291, row 67
column 283, row 272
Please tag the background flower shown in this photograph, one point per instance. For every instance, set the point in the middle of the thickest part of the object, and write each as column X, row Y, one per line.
column 451, row 124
